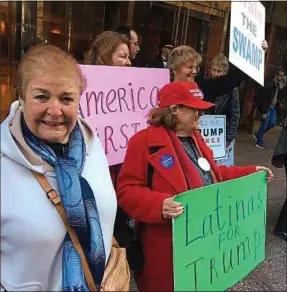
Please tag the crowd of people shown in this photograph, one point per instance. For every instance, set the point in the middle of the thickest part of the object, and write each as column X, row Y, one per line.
column 44, row 140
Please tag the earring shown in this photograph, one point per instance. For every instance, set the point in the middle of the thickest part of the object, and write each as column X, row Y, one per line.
column 173, row 109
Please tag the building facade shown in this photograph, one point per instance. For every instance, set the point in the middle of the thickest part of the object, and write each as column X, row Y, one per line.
column 73, row 25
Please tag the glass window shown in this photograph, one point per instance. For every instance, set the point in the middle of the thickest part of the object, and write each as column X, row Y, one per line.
column 9, row 30
column 70, row 25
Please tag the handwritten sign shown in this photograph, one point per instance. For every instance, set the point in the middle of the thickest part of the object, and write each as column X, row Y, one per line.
column 229, row 159
column 116, row 102
column 220, row 238
column 213, row 130
column 247, row 31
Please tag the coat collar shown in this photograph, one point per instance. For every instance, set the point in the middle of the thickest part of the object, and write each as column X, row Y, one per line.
column 174, row 176
column 157, row 136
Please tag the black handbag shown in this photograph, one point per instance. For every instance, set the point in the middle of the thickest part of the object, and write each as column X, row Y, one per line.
column 127, row 234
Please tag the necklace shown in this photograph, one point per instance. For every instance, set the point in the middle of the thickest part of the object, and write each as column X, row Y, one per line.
column 201, row 162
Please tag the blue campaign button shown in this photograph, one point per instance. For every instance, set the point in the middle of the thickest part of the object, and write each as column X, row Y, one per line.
column 167, row 161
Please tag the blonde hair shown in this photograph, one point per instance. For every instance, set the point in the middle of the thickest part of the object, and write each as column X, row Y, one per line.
column 181, row 55
column 46, row 57
column 221, row 61
column 103, row 47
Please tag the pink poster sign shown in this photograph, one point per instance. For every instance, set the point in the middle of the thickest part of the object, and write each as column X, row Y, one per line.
column 116, row 102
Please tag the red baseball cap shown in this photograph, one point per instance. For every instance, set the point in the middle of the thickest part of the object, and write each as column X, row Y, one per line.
column 184, row 93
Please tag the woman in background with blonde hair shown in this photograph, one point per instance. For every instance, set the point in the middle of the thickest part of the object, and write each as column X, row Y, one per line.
column 184, row 63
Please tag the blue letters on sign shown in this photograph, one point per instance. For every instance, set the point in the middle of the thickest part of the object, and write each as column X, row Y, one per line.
column 246, row 49
column 167, row 161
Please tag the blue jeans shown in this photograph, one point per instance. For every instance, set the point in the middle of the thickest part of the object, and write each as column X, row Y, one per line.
column 266, row 125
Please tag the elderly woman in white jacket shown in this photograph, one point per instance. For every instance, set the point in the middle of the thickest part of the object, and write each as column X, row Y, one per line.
column 43, row 134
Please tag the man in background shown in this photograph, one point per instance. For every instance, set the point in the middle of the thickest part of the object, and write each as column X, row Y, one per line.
column 133, row 39
column 267, row 103
column 162, row 57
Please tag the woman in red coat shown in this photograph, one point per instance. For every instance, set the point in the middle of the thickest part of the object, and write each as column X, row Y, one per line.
column 182, row 162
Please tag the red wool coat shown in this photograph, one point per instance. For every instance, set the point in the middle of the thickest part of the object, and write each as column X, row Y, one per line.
column 145, row 205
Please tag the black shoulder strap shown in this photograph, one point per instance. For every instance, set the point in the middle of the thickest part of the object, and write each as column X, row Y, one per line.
column 150, row 168
column 117, row 170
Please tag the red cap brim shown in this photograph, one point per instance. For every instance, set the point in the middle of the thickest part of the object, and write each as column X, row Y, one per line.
column 200, row 104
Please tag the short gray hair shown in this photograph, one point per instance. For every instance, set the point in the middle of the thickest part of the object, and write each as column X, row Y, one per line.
column 181, row 55
column 221, row 61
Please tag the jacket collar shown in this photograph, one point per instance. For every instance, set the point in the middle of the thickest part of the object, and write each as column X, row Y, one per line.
column 174, row 176
column 157, row 136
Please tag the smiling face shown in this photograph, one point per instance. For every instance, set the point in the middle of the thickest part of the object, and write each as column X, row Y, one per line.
column 187, row 119
column 121, row 56
column 186, row 72
column 50, row 105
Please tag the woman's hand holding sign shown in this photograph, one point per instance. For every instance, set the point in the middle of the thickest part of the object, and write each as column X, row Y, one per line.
column 270, row 175
column 171, row 209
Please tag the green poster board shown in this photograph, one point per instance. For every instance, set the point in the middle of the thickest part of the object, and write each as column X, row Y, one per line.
column 220, row 237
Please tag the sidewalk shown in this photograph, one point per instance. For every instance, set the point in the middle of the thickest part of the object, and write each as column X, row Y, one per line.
column 270, row 275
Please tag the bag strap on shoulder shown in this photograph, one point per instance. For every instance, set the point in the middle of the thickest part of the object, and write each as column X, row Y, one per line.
column 150, row 168
column 56, row 200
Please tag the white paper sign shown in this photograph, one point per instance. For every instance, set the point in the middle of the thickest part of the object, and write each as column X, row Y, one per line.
column 247, row 31
column 213, row 130
column 229, row 159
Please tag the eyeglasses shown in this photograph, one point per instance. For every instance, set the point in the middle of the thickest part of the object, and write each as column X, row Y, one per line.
column 218, row 71
column 135, row 43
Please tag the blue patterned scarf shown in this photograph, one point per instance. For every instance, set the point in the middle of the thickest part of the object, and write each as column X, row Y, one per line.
column 81, row 209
